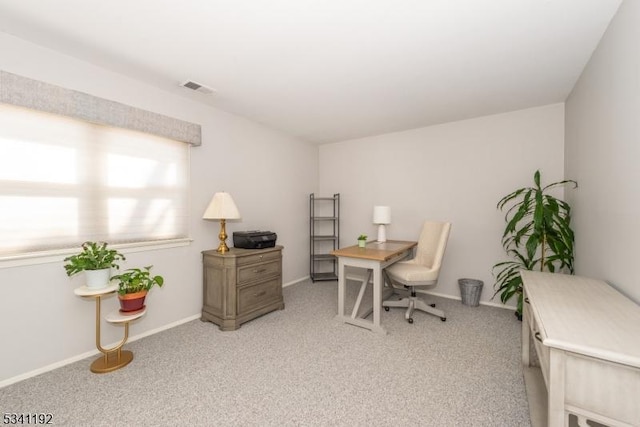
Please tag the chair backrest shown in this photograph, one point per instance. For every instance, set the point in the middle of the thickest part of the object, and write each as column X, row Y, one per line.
column 432, row 244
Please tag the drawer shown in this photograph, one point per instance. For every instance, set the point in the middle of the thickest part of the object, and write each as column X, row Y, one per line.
column 253, row 272
column 259, row 257
column 608, row 389
column 527, row 312
column 255, row 296
column 542, row 351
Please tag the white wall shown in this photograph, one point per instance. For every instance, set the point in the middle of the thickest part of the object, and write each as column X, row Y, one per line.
column 603, row 153
column 455, row 172
column 43, row 323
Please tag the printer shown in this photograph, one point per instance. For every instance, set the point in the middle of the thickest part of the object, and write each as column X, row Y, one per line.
column 254, row 239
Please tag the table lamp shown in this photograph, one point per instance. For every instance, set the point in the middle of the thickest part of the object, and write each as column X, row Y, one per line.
column 222, row 207
column 382, row 216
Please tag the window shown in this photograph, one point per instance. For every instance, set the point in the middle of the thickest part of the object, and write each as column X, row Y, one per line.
column 64, row 181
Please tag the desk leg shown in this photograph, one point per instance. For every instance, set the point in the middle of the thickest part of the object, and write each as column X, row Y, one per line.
column 377, row 298
column 342, row 292
column 375, row 268
column 361, row 321
column 363, row 288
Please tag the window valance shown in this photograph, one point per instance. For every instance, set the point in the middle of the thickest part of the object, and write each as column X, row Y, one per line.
column 29, row 93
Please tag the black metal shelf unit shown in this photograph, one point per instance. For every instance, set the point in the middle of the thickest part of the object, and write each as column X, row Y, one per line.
column 324, row 236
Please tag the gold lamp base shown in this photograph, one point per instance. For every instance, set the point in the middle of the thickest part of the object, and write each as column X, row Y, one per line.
column 222, row 248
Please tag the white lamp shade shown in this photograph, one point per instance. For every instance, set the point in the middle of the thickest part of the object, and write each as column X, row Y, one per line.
column 221, row 206
column 381, row 215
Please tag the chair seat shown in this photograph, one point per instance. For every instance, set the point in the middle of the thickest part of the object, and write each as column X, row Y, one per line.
column 408, row 271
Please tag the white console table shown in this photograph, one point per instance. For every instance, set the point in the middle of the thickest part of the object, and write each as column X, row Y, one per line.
column 586, row 336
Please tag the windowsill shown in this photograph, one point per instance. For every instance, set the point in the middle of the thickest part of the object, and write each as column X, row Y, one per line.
column 46, row 257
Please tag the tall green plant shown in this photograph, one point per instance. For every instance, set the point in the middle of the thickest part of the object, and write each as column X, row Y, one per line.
column 538, row 236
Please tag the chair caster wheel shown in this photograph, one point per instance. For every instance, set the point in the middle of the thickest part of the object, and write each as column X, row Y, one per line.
column 410, row 320
column 432, row 305
column 386, row 309
column 443, row 319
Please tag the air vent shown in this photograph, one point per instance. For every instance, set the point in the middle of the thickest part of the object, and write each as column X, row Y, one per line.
column 197, row 87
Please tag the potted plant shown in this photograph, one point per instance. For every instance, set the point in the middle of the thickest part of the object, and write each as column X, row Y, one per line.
column 96, row 260
column 538, row 235
column 362, row 240
column 133, row 285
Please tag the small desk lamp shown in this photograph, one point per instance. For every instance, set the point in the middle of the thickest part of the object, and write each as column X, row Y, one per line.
column 222, row 207
column 382, row 216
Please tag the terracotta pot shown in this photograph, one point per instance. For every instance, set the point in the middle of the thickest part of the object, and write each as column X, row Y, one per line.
column 132, row 302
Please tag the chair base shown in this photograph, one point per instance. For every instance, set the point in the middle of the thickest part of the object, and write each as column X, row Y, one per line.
column 412, row 303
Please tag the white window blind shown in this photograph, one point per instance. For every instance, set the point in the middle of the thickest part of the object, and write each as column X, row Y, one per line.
column 64, row 181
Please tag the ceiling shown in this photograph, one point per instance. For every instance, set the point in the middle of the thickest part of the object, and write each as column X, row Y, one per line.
column 330, row 70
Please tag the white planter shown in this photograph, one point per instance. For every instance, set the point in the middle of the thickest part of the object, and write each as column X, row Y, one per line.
column 97, row 279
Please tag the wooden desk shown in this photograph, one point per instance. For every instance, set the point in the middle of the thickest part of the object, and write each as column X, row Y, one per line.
column 374, row 257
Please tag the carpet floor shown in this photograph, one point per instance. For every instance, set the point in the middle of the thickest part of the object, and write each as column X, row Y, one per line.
column 300, row 367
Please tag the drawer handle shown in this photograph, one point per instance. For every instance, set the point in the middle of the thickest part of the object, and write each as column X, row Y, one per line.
column 538, row 336
column 526, row 300
column 262, row 270
column 259, row 294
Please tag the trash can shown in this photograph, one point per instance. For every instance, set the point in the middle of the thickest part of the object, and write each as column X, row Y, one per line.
column 470, row 291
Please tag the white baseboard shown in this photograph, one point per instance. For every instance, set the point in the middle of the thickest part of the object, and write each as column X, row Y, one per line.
column 95, row 352
column 293, row 282
column 498, row 305
column 487, row 303
column 47, row 368
column 164, row 327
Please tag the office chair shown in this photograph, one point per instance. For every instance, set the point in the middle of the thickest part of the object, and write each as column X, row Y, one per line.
column 423, row 270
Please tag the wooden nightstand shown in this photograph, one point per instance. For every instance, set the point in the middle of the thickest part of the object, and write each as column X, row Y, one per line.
column 241, row 285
